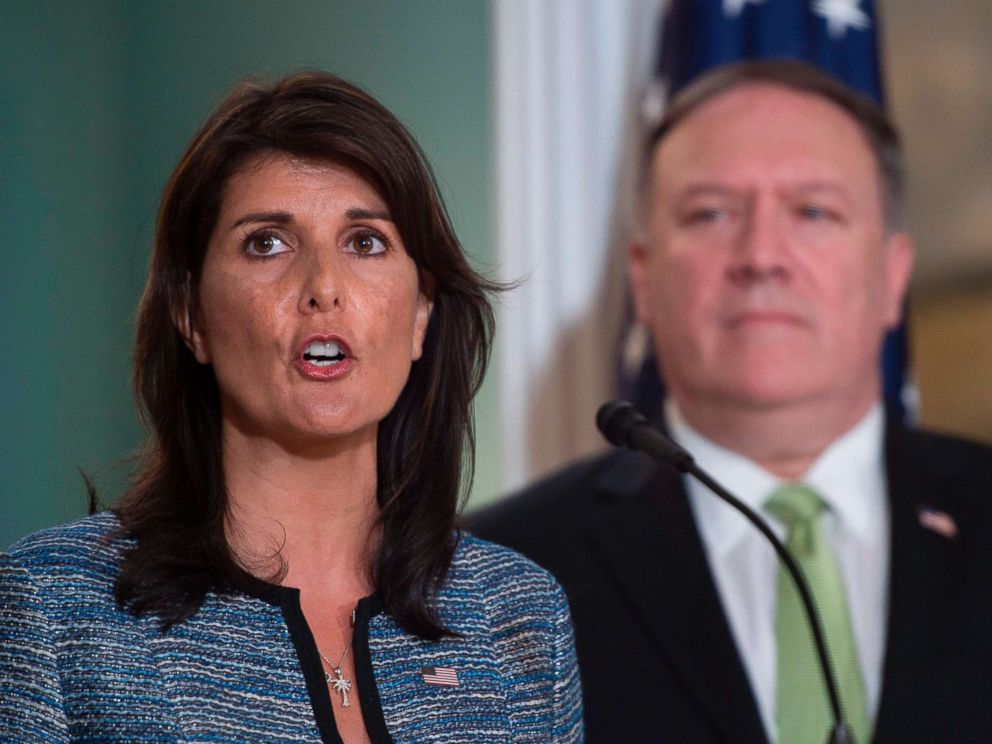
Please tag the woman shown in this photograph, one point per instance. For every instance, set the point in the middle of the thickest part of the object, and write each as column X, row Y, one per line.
column 285, row 567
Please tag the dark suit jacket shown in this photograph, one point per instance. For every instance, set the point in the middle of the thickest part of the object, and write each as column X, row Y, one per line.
column 656, row 654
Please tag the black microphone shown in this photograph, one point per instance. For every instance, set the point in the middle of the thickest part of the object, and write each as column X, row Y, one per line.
column 624, row 426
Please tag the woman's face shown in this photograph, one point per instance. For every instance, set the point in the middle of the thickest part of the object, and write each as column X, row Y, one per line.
column 309, row 308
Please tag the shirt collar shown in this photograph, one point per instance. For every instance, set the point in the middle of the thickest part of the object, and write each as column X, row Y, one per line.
column 849, row 475
column 851, row 471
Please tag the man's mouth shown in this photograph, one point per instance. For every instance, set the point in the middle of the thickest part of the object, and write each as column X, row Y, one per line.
column 763, row 317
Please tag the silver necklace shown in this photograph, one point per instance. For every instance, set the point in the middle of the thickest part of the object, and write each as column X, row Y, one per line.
column 339, row 683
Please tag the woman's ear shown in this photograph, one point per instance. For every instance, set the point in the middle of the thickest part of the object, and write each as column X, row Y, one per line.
column 193, row 336
column 425, row 306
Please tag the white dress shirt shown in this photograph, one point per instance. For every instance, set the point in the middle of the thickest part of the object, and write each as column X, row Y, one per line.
column 850, row 476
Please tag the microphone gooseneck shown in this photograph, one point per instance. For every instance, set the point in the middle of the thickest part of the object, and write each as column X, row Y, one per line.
column 624, row 426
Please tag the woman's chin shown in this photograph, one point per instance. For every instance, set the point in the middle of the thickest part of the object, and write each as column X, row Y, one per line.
column 319, row 430
column 332, row 433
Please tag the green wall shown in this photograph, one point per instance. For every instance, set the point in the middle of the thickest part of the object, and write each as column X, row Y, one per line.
column 97, row 100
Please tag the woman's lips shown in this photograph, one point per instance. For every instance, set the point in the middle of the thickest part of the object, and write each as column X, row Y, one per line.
column 323, row 357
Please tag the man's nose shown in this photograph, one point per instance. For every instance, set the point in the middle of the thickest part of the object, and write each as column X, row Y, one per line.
column 761, row 252
column 325, row 282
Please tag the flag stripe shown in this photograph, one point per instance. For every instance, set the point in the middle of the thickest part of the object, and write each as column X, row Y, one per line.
column 444, row 676
column 939, row 522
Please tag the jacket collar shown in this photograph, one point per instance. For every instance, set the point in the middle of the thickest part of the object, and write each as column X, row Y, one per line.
column 649, row 542
column 924, row 566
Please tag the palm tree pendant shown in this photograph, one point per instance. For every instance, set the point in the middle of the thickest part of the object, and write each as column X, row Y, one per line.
column 339, row 683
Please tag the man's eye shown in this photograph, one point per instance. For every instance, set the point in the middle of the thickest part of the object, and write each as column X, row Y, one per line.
column 367, row 244
column 815, row 212
column 264, row 244
column 705, row 215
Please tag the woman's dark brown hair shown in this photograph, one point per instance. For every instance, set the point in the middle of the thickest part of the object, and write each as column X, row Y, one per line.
column 176, row 508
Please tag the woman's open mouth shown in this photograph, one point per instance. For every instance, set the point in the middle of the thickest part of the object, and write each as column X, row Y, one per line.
column 323, row 353
column 324, row 358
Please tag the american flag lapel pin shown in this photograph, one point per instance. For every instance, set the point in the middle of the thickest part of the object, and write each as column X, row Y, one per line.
column 937, row 521
column 440, row 676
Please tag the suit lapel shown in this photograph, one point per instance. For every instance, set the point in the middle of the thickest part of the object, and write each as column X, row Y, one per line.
column 920, row 590
column 649, row 542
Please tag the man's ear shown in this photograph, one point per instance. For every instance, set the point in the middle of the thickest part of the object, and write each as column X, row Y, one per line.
column 637, row 259
column 193, row 336
column 899, row 254
column 425, row 306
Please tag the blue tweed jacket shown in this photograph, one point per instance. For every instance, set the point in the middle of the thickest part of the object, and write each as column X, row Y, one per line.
column 73, row 667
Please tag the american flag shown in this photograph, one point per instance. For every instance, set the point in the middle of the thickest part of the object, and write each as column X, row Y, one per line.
column 444, row 676
column 940, row 522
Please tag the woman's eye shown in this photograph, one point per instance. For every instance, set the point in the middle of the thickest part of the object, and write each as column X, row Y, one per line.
column 264, row 244
column 367, row 244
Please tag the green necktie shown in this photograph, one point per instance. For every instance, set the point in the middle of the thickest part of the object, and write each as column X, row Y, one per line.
column 803, row 709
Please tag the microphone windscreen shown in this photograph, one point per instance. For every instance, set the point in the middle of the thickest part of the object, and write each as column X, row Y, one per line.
column 615, row 419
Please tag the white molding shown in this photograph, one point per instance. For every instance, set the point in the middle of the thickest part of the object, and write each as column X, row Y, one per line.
column 568, row 79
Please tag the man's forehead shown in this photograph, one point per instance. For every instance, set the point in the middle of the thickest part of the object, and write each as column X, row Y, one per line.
column 771, row 102
column 757, row 94
column 763, row 125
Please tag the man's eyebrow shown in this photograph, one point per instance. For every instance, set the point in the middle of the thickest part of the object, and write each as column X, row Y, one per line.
column 361, row 213
column 707, row 189
column 716, row 189
column 280, row 218
column 831, row 186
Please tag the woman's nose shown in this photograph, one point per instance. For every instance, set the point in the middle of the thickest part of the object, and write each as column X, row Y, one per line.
column 324, row 286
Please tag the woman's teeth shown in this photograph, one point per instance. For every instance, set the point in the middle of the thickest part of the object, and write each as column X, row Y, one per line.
column 323, row 353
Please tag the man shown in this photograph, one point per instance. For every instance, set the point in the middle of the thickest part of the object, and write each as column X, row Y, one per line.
column 768, row 263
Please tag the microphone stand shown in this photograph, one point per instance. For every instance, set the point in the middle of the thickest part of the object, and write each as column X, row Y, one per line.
column 623, row 425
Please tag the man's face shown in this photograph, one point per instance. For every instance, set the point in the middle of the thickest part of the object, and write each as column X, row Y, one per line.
column 765, row 272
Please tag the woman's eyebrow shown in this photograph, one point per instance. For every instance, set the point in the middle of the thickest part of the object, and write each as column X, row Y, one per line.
column 362, row 213
column 280, row 218
column 283, row 218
